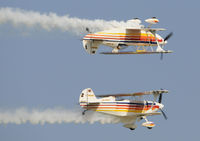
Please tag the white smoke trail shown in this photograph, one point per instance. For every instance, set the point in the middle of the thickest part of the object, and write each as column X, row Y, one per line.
column 52, row 116
column 50, row 21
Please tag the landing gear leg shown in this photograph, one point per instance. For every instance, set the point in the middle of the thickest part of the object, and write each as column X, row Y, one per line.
column 116, row 49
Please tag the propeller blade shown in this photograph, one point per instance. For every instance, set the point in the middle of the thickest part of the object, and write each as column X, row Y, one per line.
column 160, row 98
column 164, row 115
column 168, row 36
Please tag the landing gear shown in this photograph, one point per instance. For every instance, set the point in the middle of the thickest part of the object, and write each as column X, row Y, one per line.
column 83, row 113
column 148, row 124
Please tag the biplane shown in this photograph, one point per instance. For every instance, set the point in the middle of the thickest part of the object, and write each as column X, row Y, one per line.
column 143, row 39
column 127, row 110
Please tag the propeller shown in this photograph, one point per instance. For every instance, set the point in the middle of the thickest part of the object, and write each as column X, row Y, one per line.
column 159, row 101
column 165, row 39
column 168, row 36
column 160, row 97
column 164, row 115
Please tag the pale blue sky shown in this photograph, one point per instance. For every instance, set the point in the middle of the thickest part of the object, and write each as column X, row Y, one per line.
column 49, row 69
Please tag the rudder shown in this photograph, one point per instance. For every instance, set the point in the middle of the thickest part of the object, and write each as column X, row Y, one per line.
column 87, row 95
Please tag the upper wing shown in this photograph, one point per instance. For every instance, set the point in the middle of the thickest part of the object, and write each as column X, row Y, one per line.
column 147, row 29
column 136, row 94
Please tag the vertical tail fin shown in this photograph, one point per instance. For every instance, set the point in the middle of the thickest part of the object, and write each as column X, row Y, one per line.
column 87, row 95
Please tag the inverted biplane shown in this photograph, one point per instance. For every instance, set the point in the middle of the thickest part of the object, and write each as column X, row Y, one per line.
column 143, row 39
column 127, row 110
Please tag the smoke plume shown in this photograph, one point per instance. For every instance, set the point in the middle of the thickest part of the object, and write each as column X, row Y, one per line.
column 52, row 21
column 52, row 116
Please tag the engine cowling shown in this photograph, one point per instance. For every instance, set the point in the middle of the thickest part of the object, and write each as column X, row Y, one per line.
column 90, row 46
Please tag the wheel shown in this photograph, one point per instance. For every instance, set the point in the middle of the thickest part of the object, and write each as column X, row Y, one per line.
column 149, row 127
column 132, row 128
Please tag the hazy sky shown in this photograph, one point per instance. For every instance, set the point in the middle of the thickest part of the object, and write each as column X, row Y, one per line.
column 47, row 69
